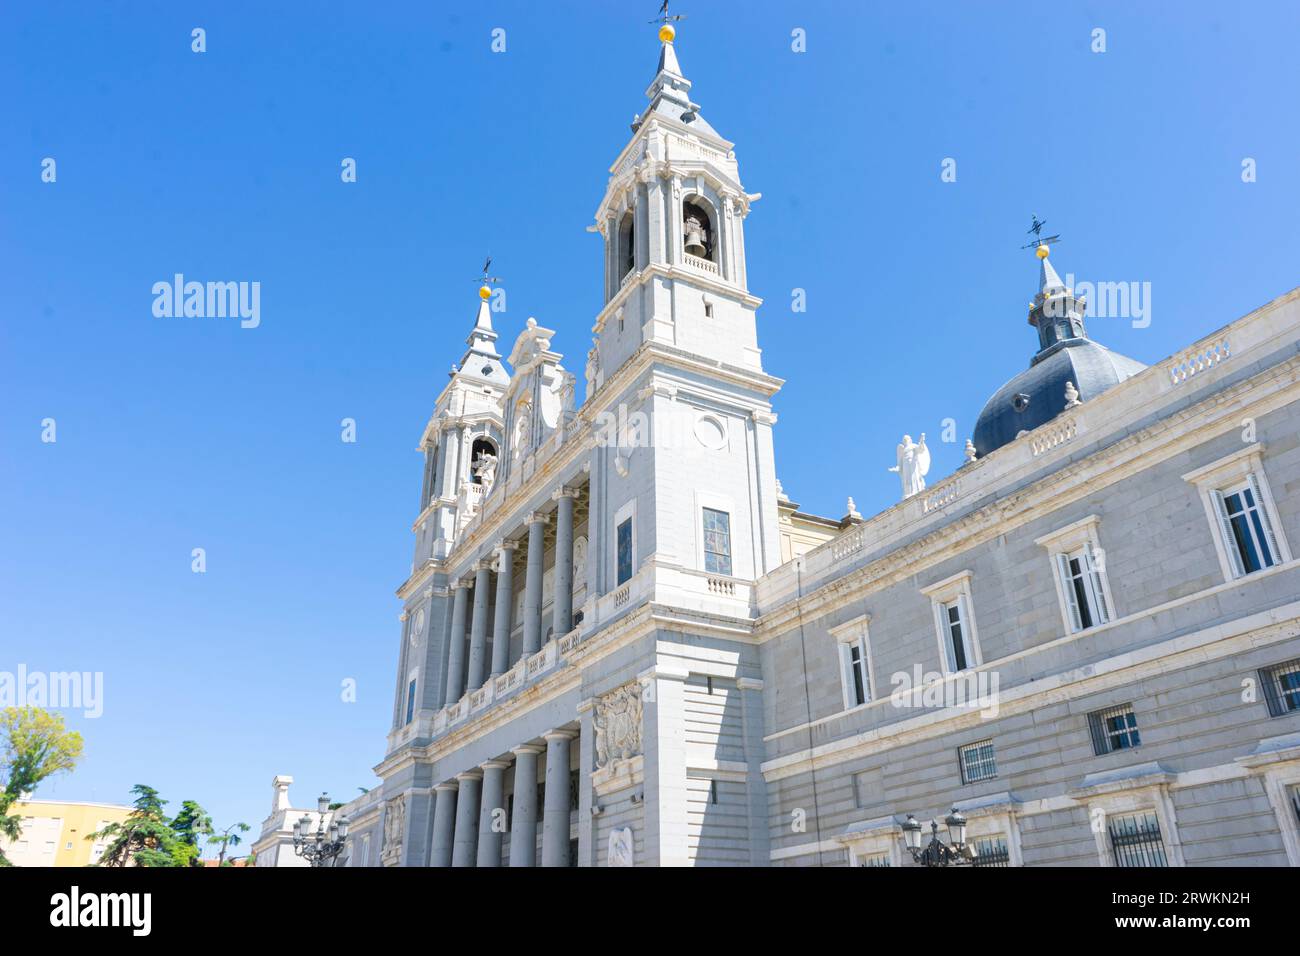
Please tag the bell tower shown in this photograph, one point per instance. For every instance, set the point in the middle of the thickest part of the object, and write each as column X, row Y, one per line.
column 685, row 474
column 672, row 219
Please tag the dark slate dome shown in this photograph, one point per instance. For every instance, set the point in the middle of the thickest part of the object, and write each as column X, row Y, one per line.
column 1066, row 355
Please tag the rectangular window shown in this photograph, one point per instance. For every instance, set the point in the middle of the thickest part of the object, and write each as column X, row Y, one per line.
column 717, row 541
column 1135, row 840
column 624, row 548
column 1114, row 728
column 977, row 762
column 410, row 700
column 1081, row 582
column 955, row 631
column 855, row 678
column 874, row 859
column 1295, row 802
column 1281, row 684
column 991, row 851
column 573, row 791
column 1248, row 536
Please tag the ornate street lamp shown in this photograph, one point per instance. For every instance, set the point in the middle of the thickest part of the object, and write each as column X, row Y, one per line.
column 937, row 853
column 320, row 848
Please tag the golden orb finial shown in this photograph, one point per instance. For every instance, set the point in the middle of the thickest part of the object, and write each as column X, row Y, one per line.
column 1043, row 251
column 484, row 293
column 667, row 33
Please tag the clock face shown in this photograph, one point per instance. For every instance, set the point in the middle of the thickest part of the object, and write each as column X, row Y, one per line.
column 417, row 629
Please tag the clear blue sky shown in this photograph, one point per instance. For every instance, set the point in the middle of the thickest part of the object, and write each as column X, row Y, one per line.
column 183, row 433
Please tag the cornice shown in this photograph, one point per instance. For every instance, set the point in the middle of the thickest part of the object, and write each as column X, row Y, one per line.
column 1129, row 455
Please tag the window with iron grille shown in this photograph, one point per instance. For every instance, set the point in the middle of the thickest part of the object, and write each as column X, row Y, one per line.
column 1281, row 687
column 992, row 851
column 977, row 762
column 1136, row 841
column 1114, row 728
column 717, row 541
column 874, row 859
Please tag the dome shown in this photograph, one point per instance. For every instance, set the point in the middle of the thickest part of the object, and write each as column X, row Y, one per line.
column 1037, row 395
column 1065, row 355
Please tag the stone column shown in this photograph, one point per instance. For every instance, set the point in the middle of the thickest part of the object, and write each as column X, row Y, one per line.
column 456, row 643
column 465, row 846
column 563, row 608
column 478, row 630
column 491, row 824
column 444, row 821
column 555, row 820
column 523, row 824
column 502, row 624
column 533, row 583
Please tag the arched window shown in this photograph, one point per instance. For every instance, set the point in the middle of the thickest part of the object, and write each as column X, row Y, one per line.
column 697, row 231
column 626, row 246
column 479, row 468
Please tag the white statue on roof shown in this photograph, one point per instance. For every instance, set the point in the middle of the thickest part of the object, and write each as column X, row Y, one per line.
column 913, row 464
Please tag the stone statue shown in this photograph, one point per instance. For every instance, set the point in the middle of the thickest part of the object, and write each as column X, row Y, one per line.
column 970, row 451
column 1071, row 395
column 523, row 432
column 618, row 851
column 394, row 829
column 485, row 470
column 913, row 465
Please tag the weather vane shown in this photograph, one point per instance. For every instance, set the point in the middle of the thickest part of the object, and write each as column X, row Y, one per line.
column 665, row 16
column 1040, row 242
column 485, row 291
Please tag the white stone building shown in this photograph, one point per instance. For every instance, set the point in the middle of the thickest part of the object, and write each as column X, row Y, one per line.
column 622, row 643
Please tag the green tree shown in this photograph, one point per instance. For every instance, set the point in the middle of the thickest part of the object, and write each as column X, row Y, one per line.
column 145, row 837
column 34, row 744
column 227, row 838
column 190, row 825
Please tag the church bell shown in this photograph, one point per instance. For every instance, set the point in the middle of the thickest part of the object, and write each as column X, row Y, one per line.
column 695, row 239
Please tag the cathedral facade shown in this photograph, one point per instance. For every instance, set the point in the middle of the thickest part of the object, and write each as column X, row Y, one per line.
column 623, row 644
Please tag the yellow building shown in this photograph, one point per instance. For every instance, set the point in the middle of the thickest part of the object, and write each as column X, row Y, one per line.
column 54, row 834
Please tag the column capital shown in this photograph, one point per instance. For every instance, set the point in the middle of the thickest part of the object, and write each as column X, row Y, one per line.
column 469, row 775
column 559, row 735
column 461, row 584
column 538, row 517
column 494, row 765
column 403, row 616
column 507, row 544
column 485, row 564
column 525, row 749
column 565, row 492
column 447, row 786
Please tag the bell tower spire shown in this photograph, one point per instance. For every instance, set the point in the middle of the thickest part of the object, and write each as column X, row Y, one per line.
column 672, row 219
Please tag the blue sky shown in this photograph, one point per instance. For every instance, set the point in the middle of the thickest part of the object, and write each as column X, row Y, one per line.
column 182, row 433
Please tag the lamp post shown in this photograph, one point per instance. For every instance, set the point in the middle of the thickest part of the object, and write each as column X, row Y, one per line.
column 320, row 848
column 937, row 853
